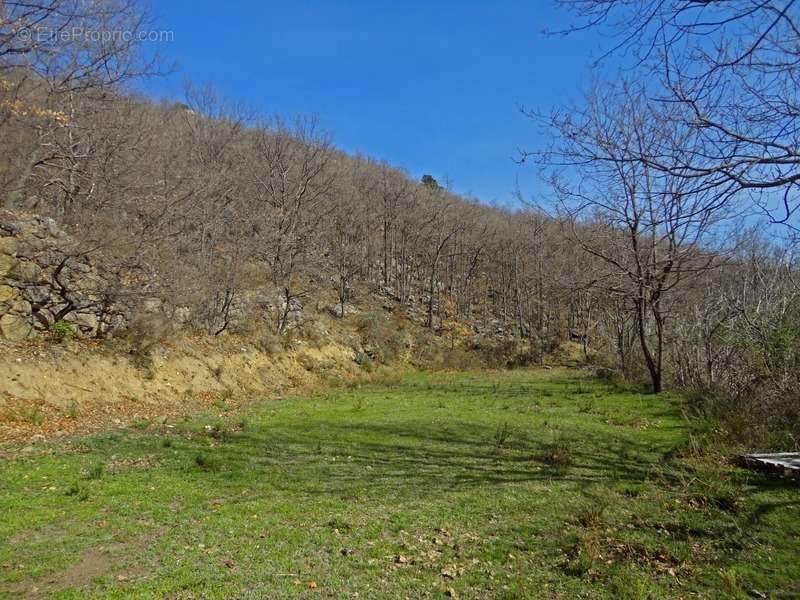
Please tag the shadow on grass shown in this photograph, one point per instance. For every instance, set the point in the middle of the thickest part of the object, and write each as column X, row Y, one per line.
column 400, row 459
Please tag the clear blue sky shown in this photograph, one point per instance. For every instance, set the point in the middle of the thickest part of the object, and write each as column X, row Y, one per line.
column 432, row 86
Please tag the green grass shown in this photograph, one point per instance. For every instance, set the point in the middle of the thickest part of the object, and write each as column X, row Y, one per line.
column 524, row 484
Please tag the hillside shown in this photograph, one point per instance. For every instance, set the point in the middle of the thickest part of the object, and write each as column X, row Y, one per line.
column 367, row 300
column 74, row 361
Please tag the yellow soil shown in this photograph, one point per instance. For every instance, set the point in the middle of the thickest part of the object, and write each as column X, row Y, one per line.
column 50, row 390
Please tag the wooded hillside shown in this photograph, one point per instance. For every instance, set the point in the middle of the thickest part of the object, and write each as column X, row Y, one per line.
column 233, row 221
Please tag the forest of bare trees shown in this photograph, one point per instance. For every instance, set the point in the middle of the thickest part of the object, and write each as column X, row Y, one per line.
column 654, row 254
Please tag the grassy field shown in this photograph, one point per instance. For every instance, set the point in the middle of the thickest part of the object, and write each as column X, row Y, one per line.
column 523, row 484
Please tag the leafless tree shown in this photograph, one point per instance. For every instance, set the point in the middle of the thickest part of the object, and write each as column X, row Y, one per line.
column 292, row 183
column 74, row 44
column 648, row 227
column 735, row 67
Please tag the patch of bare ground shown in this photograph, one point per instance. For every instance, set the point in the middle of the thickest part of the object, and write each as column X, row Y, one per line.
column 111, row 559
column 92, row 563
column 56, row 390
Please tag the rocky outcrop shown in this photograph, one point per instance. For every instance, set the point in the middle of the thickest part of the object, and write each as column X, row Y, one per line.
column 48, row 285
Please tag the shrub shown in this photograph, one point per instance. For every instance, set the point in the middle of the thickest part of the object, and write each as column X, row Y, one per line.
column 313, row 332
column 72, row 411
column 582, row 556
column 145, row 333
column 715, row 493
column 270, row 343
column 339, row 524
column 140, row 424
column 382, row 338
column 217, row 431
column 507, row 353
column 630, row 585
column 459, row 360
column 309, row 363
column 61, row 330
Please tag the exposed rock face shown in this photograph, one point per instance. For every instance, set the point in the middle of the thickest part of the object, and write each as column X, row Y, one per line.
column 44, row 278
column 337, row 310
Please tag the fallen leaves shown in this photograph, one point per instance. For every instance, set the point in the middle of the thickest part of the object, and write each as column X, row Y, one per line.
column 451, row 571
column 123, row 464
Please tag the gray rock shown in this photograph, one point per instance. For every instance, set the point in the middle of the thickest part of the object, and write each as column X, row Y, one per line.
column 337, row 311
column 38, row 294
column 43, row 319
column 87, row 322
column 50, row 258
column 53, row 229
column 31, row 249
column 81, row 267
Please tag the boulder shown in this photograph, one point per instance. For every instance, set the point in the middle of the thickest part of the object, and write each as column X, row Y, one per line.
column 7, row 263
column 38, row 294
column 26, row 271
column 337, row 311
column 8, row 245
column 14, row 327
column 21, row 306
column 87, row 322
column 7, row 293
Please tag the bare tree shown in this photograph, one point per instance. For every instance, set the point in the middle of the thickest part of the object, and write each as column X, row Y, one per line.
column 346, row 233
column 292, row 184
column 441, row 225
column 60, row 61
column 74, row 44
column 735, row 66
column 648, row 227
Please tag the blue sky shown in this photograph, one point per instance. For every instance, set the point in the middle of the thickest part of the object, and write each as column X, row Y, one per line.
column 433, row 86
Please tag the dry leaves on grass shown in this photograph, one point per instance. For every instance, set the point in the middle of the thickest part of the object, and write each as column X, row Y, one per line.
column 123, row 464
column 452, row 571
column 611, row 550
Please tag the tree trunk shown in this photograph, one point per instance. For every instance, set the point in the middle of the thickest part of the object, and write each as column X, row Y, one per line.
column 653, row 367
